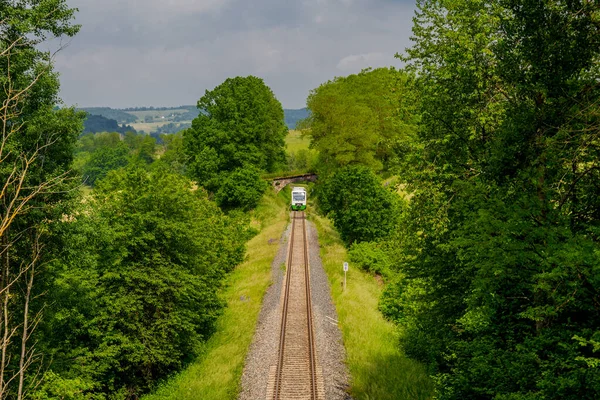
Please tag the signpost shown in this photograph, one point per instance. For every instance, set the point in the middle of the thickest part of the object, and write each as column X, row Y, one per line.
column 345, row 270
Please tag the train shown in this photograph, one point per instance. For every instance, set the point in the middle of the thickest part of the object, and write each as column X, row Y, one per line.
column 298, row 199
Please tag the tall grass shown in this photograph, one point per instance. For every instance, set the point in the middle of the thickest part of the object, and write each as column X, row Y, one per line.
column 294, row 141
column 216, row 375
column 378, row 368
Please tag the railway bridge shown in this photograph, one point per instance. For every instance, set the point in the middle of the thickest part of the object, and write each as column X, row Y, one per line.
column 280, row 183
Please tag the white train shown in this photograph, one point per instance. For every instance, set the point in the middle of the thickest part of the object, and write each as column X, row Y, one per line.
column 298, row 199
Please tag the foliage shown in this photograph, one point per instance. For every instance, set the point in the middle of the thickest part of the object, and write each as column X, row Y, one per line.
column 173, row 127
column 56, row 387
column 371, row 257
column 98, row 123
column 379, row 369
column 174, row 155
column 98, row 154
column 241, row 126
column 361, row 119
column 499, row 288
column 141, row 147
column 139, row 294
column 242, row 189
column 36, row 151
column 299, row 156
column 303, row 160
column 216, row 373
column 121, row 116
column 361, row 208
column 104, row 160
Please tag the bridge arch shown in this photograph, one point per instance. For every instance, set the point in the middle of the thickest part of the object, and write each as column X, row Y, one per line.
column 280, row 183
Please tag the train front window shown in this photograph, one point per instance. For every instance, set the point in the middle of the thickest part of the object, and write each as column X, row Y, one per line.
column 298, row 196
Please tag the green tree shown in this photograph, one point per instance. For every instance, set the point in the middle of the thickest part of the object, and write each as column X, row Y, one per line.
column 139, row 292
column 36, row 150
column 142, row 147
column 361, row 119
column 174, row 154
column 361, row 208
column 98, row 154
column 499, row 287
column 104, row 160
column 240, row 125
column 242, row 189
column 90, row 142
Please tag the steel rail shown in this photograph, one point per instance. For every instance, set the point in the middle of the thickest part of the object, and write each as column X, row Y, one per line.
column 311, row 341
column 288, row 277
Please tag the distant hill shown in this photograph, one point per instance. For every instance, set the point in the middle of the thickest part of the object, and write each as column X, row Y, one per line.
column 111, row 113
column 126, row 115
column 98, row 123
column 191, row 113
column 293, row 116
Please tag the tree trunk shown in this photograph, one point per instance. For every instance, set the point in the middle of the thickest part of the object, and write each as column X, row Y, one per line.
column 22, row 366
column 4, row 321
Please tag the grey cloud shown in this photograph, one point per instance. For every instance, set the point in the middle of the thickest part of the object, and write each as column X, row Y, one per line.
column 169, row 52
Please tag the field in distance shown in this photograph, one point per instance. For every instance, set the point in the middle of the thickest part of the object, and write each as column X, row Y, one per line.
column 295, row 141
column 151, row 119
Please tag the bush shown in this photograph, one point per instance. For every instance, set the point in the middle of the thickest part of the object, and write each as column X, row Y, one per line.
column 361, row 208
column 302, row 160
column 370, row 257
column 140, row 293
column 242, row 189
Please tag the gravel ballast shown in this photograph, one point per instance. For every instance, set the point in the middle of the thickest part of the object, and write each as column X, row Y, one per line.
column 330, row 349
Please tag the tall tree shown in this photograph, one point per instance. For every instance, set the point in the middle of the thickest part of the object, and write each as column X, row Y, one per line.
column 501, row 238
column 36, row 148
column 361, row 119
column 241, row 124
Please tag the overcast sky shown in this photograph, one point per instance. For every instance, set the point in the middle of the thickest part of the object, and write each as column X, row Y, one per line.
column 168, row 52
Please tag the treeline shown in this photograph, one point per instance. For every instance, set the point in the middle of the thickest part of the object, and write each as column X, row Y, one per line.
column 110, row 286
column 98, row 123
column 172, row 127
column 191, row 113
column 291, row 117
column 120, row 116
column 470, row 182
column 151, row 108
column 144, row 255
column 98, row 154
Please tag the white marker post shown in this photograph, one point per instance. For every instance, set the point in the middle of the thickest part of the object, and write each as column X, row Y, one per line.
column 345, row 270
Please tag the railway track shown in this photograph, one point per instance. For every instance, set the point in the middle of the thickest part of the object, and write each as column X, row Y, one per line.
column 297, row 374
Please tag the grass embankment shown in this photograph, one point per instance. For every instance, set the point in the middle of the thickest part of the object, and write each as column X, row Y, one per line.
column 378, row 368
column 216, row 374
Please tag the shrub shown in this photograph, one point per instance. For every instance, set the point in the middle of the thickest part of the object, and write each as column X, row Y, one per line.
column 370, row 257
column 241, row 189
column 361, row 208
